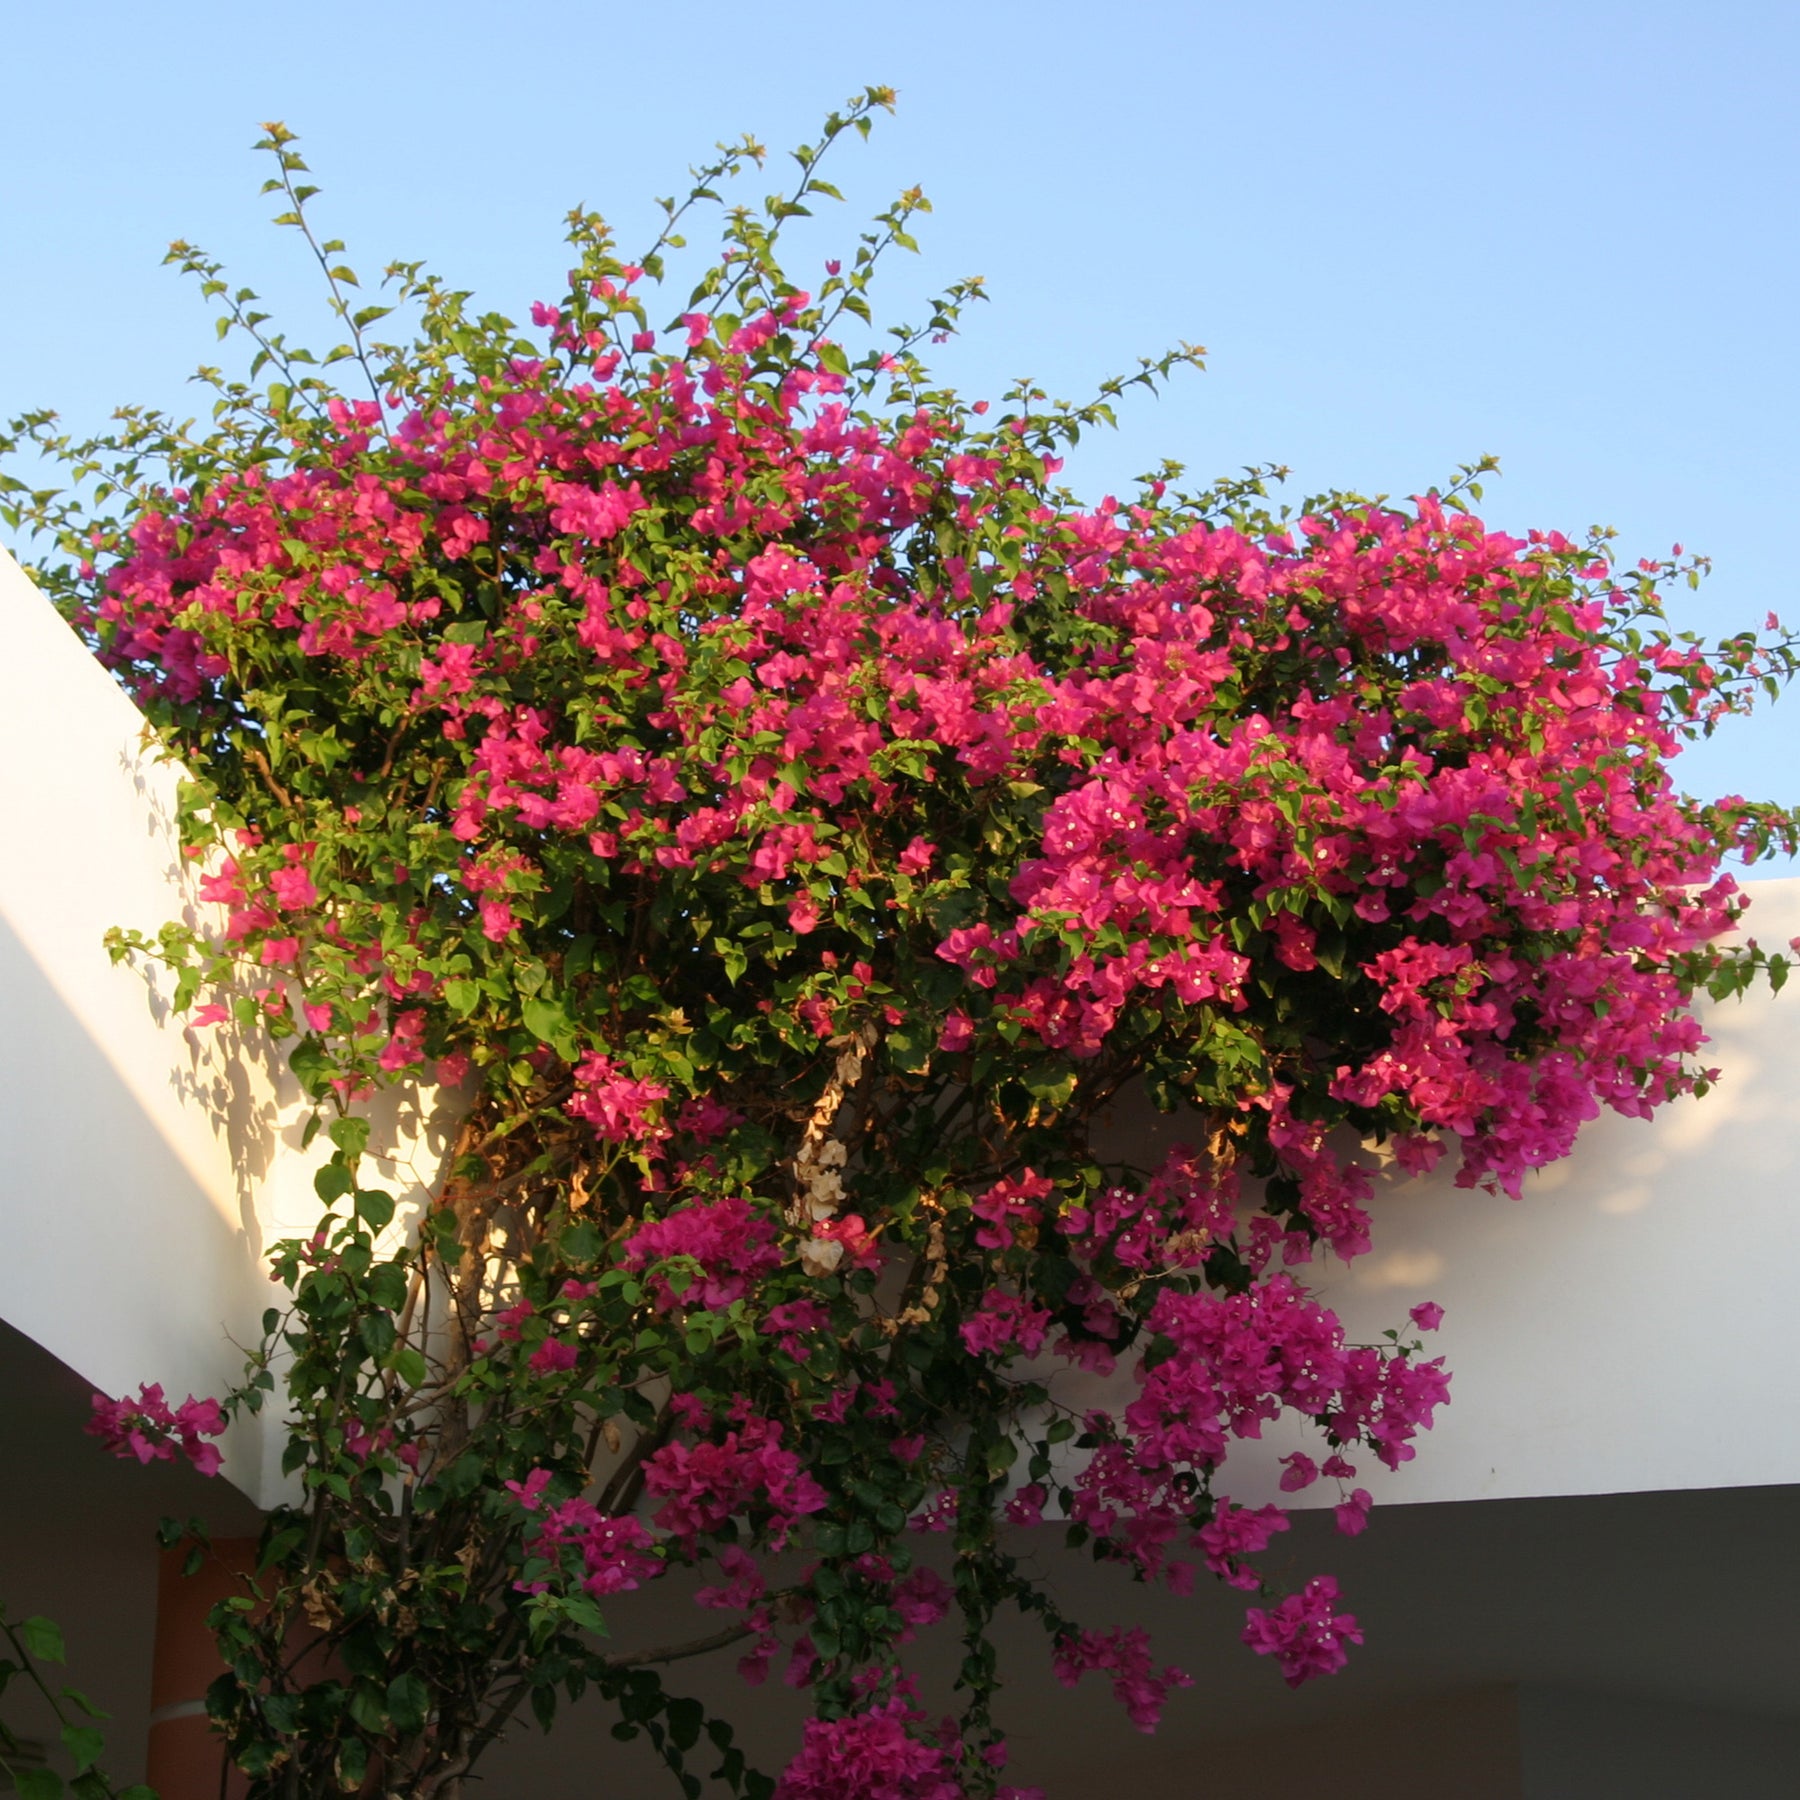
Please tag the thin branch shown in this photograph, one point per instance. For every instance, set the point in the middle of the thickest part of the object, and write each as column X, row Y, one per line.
column 668, row 1653
column 260, row 762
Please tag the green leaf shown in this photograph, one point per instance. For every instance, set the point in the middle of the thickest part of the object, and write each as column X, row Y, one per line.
column 332, row 1182
column 281, row 1713
column 911, row 1045
column 387, row 1285
column 375, row 1207
column 408, row 1702
column 313, row 1069
column 351, row 1136
column 376, row 1330
column 280, row 1545
column 581, row 1243
column 1050, row 1082
column 543, row 1706
column 544, row 1019
column 85, row 1744
column 367, row 1710
column 685, row 1719
column 352, row 1765
column 549, row 1024
column 463, row 996
column 38, row 1784
column 42, row 1638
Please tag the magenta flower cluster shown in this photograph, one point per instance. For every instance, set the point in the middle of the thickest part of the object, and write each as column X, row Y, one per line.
column 153, row 1431
column 730, row 1242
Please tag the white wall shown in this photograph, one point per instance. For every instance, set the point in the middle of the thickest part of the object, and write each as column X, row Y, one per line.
column 147, row 1167
column 1630, row 1324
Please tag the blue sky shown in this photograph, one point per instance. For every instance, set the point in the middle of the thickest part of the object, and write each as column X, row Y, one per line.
column 1407, row 234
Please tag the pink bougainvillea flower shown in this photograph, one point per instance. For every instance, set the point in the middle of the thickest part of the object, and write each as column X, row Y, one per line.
column 293, row 888
column 1005, row 1323
column 620, row 1107
column 1137, row 1684
column 729, row 1241
column 877, row 1754
column 1305, row 1634
column 861, row 1246
column 703, row 1484
column 405, row 1047
column 150, row 1430
column 553, row 1357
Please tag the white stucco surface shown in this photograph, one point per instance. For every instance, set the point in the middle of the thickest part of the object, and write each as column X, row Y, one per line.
column 147, row 1167
column 1630, row 1325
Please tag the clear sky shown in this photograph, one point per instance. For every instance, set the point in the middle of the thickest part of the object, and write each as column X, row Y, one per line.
column 1408, row 234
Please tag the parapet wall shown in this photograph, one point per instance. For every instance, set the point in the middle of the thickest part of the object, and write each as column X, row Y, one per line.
column 147, row 1166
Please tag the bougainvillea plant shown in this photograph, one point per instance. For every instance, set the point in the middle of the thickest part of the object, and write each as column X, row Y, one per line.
column 787, row 818
column 28, row 1646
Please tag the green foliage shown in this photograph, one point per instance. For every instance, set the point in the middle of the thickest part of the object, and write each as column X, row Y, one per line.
column 33, row 1642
